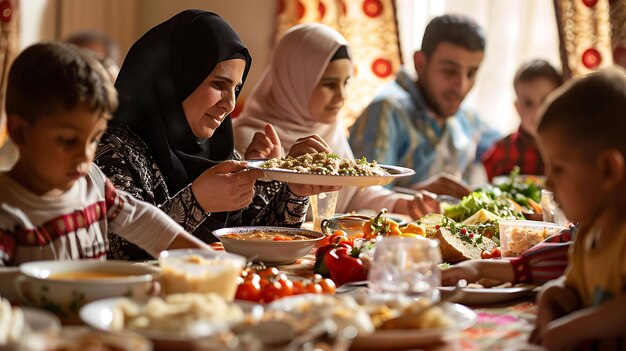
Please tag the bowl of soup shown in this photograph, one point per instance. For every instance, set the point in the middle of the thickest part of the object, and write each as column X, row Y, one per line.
column 267, row 244
column 63, row 287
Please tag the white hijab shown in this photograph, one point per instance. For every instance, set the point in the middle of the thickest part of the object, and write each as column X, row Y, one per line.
column 284, row 91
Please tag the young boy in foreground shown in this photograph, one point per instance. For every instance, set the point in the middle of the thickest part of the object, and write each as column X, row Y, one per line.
column 581, row 134
column 55, row 203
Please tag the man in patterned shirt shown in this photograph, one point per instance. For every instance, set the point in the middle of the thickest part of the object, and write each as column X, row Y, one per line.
column 421, row 124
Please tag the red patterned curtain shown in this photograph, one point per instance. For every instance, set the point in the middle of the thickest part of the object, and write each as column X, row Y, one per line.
column 9, row 42
column 370, row 28
column 591, row 33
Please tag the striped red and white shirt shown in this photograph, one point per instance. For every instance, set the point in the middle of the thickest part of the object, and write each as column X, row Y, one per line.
column 75, row 224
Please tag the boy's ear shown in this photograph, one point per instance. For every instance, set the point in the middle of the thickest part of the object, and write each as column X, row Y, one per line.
column 613, row 168
column 17, row 127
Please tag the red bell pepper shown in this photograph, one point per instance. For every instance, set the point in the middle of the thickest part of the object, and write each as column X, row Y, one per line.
column 343, row 267
column 320, row 266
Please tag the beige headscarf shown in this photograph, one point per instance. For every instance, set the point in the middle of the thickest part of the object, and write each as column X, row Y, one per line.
column 284, row 91
column 282, row 98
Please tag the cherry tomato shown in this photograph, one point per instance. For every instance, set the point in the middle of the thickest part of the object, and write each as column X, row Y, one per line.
column 312, row 288
column 328, row 286
column 298, row 287
column 253, row 276
column 286, row 287
column 496, row 252
column 268, row 272
column 249, row 290
column 485, row 254
column 271, row 291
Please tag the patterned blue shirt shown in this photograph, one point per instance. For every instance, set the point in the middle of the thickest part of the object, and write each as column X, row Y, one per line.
column 397, row 129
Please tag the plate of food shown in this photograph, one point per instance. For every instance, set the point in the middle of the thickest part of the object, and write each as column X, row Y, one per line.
column 476, row 294
column 173, row 322
column 460, row 317
column 370, row 315
column 328, row 169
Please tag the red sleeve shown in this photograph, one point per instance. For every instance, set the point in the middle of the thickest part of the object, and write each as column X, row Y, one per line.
column 114, row 203
column 7, row 247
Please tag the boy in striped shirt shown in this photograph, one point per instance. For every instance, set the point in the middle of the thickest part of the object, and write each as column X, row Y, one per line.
column 55, row 203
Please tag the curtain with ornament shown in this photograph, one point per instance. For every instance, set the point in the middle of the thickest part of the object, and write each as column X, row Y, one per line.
column 370, row 28
column 9, row 46
column 586, row 35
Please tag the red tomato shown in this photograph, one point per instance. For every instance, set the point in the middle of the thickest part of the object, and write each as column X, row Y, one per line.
column 328, row 286
column 298, row 287
column 312, row 288
column 271, row 291
column 485, row 254
column 253, row 276
column 268, row 272
column 496, row 252
column 286, row 287
column 249, row 290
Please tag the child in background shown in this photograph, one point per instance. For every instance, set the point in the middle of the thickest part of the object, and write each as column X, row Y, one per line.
column 533, row 82
column 55, row 203
column 581, row 134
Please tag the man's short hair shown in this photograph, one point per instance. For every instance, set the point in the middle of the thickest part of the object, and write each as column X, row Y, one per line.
column 455, row 29
column 590, row 110
column 537, row 68
column 50, row 78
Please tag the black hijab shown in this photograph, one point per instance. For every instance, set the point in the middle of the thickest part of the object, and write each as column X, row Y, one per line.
column 162, row 69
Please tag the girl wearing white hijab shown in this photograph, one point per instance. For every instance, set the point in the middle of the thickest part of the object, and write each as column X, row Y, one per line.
column 301, row 93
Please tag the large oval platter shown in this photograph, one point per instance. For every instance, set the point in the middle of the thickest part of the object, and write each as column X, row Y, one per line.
column 293, row 176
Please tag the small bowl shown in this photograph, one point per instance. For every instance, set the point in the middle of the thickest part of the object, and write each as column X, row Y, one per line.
column 517, row 236
column 200, row 271
column 351, row 224
column 63, row 287
column 267, row 250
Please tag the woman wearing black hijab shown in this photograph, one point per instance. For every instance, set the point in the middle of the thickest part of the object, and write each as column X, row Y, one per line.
column 172, row 135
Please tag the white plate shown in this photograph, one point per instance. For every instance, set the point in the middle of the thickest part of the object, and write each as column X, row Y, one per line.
column 99, row 315
column 291, row 176
column 484, row 296
column 410, row 338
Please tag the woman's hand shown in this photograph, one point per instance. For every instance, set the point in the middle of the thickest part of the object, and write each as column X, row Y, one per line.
column 310, row 145
column 264, row 145
column 227, row 186
column 443, row 184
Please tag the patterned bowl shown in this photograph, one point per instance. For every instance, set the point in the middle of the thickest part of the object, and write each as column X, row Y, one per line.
column 63, row 287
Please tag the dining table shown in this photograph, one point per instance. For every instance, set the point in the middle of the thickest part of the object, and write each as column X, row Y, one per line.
column 504, row 325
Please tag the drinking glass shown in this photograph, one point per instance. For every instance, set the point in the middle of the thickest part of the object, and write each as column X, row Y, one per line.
column 551, row 209
column 323, row 206
column 406, row 266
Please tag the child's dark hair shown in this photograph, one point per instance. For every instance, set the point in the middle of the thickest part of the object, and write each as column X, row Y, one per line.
column 590, row 110
column 51, row 78
column 534, row 69
column 456, row 29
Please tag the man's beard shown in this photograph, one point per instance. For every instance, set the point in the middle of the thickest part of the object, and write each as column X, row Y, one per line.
column 430, row 102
